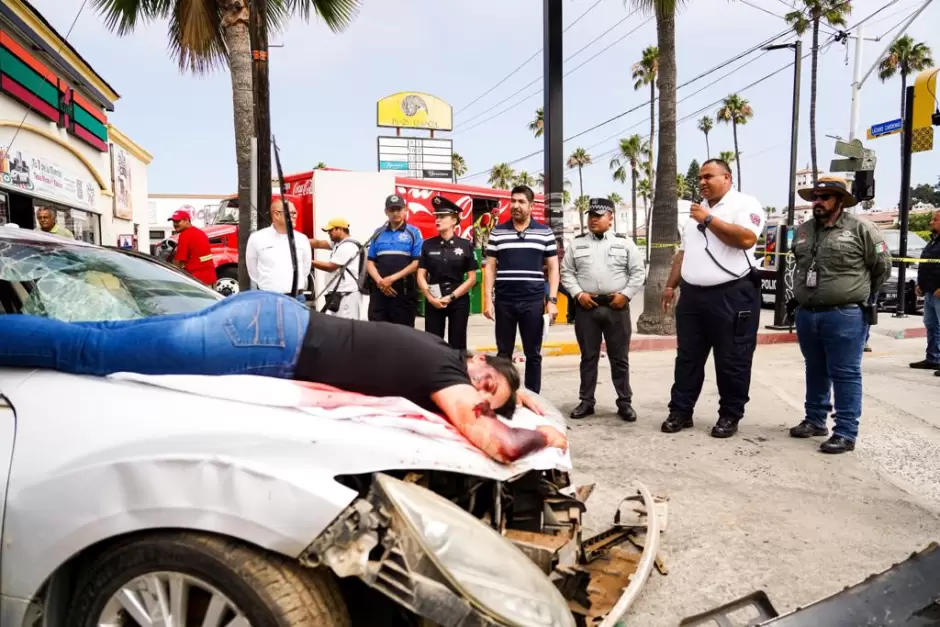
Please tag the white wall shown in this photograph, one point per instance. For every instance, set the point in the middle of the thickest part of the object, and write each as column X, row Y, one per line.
column 112, row 226
column 162, row 206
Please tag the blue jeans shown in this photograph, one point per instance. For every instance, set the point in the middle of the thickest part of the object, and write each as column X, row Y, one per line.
column 249, row 333
column 932, row 322
column 832, row 343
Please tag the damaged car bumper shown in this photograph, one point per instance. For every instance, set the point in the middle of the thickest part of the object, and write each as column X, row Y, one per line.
column 522, row 561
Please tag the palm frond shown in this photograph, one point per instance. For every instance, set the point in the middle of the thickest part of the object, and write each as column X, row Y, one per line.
column 336, row 14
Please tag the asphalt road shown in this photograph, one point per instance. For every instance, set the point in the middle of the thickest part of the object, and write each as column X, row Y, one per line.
column 763, row 510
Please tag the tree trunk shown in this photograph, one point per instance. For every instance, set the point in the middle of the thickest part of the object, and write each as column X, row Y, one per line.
column 812, row 102
column 580, row 211
column 708, row 150
column 737, row 155
column 235, row 32
column 652, row 117
column 633, row 199
column 664, row 215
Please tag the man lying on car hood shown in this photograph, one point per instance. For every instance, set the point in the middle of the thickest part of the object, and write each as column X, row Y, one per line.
column 265, row 333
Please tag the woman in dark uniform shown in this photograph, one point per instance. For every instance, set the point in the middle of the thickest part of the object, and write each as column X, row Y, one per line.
column 446, row 274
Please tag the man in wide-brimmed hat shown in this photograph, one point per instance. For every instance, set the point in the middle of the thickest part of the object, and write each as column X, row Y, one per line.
column 840, row 262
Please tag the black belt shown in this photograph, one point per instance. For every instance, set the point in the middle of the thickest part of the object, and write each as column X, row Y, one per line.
column 822, row 308
column 686, row 285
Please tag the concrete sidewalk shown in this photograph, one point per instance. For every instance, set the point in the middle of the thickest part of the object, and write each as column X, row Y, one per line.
column 561, row 339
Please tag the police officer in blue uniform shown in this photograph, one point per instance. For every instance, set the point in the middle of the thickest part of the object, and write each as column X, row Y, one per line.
column 446, row 274
column 392, row 264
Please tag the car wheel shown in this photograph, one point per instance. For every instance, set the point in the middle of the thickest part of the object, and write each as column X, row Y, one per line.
column 196, row 579
column 227, row 281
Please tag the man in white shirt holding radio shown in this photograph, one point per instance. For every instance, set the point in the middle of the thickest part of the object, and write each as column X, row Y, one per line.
column 719, row 305
column 268, row 256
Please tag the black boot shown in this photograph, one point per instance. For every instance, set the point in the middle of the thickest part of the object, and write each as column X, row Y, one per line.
column 725, row 427
column 806, row 429
column 583, row 409
column 837, row 444
column 925, row 365
column 627, row 412
column 676, row 422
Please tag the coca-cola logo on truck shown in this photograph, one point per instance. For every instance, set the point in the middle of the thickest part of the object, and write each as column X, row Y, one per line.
column 302, row 188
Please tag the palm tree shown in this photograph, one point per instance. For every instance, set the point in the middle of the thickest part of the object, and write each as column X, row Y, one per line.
column 735, row 110
column 209, row 34
column 706, row 125
column 833, row 12
column 645, row 189
column 644, row 73
column 524, row 178
column 501, row 176
column 665, row 225
column 320, row 166
column 457, row 165
column 682, row 187
column 581, row 204
column 630, row 154
column 904, row 57
column 578, row 159
column 565, row 194
column 615, row 198
column 727, row 156
column 537, row 126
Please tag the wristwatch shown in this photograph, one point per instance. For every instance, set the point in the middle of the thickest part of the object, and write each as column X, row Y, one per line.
column 554, row 300
column 708, row 220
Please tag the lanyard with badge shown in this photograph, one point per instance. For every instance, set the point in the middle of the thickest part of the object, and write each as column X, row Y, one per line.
column 811, row 273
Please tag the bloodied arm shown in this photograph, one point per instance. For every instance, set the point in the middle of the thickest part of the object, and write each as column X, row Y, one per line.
column 473, row 417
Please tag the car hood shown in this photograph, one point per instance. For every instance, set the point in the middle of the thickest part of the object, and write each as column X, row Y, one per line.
column 345, row 433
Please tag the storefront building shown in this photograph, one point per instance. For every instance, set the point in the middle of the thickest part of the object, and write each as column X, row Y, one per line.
column 57, row 148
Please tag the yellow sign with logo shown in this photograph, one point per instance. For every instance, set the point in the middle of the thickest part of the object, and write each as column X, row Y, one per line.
column 925, row 94
column 412, row 109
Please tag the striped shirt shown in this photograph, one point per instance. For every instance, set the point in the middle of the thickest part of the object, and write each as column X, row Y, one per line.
column 520, row 258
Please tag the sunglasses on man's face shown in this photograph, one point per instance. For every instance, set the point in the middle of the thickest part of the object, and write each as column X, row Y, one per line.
column 823, row 197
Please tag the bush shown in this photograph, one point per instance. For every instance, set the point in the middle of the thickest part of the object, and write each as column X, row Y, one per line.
column 925, row 234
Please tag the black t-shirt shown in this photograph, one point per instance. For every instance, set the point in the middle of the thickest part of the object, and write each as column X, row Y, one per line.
column 379, row 359
column 447, row 262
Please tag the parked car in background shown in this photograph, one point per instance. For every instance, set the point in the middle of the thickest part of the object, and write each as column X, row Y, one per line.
column 888, row 295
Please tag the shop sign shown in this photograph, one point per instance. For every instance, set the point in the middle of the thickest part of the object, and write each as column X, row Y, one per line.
column 121, row 183
column 30, row 173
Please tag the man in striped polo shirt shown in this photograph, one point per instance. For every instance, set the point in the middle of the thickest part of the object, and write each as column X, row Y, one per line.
column 516, row 254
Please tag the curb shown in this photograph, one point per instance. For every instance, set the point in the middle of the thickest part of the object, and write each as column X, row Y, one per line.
column 557, row 349
column 904, row 334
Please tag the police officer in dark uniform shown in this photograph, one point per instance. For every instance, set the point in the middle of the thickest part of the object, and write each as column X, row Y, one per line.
column 393, row 261
column 446, row 274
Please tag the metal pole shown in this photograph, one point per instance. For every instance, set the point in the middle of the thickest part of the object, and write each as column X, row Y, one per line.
column 856, row 82
column 897, row 35
column 904, row 206
column 553, row 133
column 258, row 32
column 254, row 184
column 781, row 297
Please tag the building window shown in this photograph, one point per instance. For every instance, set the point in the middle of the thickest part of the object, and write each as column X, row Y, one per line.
column 84, row 225
column 4, row 209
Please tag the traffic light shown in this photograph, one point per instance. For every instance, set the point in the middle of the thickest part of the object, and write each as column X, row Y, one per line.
column 863, row 187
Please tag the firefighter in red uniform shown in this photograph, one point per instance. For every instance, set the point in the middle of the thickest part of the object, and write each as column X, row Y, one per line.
column 193, row 253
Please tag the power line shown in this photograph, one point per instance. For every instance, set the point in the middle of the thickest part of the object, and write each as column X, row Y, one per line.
column 539, row 79
column 524, row 63
column 904, row 19
column 647, row 102
column 862, row 21
column 29, row 108
column 539, row 90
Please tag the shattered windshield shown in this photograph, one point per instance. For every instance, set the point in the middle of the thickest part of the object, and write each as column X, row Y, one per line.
column 227, row 213
column 74, row 283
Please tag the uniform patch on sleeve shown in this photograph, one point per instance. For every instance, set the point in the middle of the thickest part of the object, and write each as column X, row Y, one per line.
column 881, row 248
column 755, row 218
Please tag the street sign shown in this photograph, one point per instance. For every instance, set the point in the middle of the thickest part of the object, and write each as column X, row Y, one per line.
column 886, row 128
column 868, row 160
column 845, row 165
column 852, row 149
column 416, row 157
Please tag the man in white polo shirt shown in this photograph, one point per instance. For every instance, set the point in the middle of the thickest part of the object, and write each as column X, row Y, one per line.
column 268, row 255
column 719, row 305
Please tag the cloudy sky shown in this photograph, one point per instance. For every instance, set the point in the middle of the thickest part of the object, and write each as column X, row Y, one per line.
column 324, row 87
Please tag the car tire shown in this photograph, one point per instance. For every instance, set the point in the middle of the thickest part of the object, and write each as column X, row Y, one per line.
column 269, row 590
column 227, row 281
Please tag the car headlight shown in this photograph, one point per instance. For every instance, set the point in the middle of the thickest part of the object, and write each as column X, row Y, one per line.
column 494, row 575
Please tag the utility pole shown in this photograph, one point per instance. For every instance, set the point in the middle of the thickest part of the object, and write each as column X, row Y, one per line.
column 781, row 297
column 554, row 135
column 258, row 32
column 904, row 207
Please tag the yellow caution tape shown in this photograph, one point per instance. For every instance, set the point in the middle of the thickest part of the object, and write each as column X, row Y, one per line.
column 776, row 254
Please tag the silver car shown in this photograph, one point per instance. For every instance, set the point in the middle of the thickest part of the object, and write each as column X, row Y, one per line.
column 241, row 500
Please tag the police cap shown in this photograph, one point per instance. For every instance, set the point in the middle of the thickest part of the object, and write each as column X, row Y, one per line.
column 444, row 206
column 600, row 206
column 394, row 201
